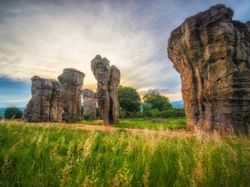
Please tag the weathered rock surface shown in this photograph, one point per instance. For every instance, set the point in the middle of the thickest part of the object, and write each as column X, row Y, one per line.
column 212, row 54
column 45, row 104
column 89, row 104
column 115, row 76
column 71, row 82
column 108, row 80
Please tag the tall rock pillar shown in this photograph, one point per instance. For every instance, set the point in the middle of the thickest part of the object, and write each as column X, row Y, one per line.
column 71, row 82
column 108, row 79
column 45, row 104
column 212, row 54
column 113, row 93
column 89, row 104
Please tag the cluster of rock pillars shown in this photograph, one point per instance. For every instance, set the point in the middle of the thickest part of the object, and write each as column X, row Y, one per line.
column 60, row 100
column 209, row 50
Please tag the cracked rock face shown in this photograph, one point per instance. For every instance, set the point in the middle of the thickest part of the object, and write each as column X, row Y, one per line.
column 115, row 76
column 71, row 82
column 108, row 80
column 45, row 104
column 89, row 104
column 212, row 54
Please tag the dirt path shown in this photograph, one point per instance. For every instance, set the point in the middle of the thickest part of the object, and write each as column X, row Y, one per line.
column 86, row 127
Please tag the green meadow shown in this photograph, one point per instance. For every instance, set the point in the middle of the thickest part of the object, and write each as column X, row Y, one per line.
column 51, row 156
column 140, row 123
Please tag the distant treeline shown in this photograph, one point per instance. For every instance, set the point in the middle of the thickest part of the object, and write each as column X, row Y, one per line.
column 2, row 110
column 150, row 105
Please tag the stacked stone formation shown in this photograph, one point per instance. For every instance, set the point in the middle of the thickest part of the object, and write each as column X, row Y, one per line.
column 212, row 54
column 89, row 104
column 108, row 80
column 71, row 83
column 45, row 104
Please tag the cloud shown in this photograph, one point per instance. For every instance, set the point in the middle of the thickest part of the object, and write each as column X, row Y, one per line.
column 19, row 102
column 14, row 101
column 44, row 37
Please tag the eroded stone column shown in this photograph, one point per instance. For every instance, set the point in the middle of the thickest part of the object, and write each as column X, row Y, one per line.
column 212, row 54
column 108, row 79
column 45, row 104
column 113, row 94
column 89, row 104
column 71, row 82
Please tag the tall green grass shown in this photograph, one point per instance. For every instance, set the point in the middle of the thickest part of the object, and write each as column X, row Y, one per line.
column 140, row 123
column 50, row 156
column 157, row 124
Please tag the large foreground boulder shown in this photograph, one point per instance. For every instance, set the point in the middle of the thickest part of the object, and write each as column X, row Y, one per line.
column 89, row 104
column 212, row 54
column 71, row 82
column 45, row 104
column 108, row 80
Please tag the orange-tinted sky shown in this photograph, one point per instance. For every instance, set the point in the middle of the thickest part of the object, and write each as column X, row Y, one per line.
column 43, row 37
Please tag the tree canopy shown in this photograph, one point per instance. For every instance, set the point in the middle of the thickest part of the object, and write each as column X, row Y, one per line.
column 156, row 101
column 12, row 113
column 129, row 99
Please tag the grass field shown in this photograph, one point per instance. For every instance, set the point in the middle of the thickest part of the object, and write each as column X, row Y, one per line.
column 156, row 124
column 52, row 156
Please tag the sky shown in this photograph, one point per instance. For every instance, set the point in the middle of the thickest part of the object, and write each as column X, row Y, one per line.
column 44, row 37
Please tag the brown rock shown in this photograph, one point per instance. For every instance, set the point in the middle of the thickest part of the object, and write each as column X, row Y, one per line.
column 115, row 76
column 71, row 82
column 211, row 53
column 108, row 79
column 89, row 104
column 45, row 103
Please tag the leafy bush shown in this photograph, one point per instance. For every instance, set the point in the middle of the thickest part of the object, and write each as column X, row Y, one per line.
column 157, row 101
column 129, row 100
column 180, row 112
column 169, row 113
column 154, row 106
column 125, row 114
column 12, row 113
column 158, row 106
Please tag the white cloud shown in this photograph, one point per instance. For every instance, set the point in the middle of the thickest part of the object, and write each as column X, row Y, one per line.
column 43, row 38
column 19, row 102
column 44, row 42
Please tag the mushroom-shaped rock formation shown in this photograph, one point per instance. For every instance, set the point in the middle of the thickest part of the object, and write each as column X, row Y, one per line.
column 108, row 80
column 71, row 82
column 45, row 104
column 212, row 54
column 89, row 104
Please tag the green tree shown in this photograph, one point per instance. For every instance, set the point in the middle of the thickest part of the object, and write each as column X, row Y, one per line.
column 156, row 101
column 12, row 113
column 129, row 100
